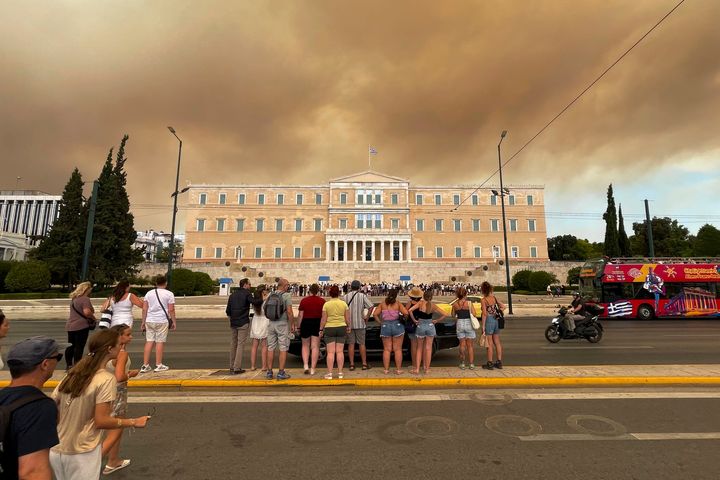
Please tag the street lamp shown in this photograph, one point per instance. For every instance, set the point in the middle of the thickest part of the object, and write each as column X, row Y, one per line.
column 503, row 191
column 175, row 197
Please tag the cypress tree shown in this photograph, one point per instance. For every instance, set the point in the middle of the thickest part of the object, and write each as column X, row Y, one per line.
column 623, row 240
column 611, row 244
column 62, row 248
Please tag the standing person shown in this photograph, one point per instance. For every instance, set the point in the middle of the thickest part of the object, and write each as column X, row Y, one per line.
column 360, row 309
column 422, row 313
column 120, row 367
column 464, row 329
column 491, row 308
column 238, row 312
column 334, row 325
column 80, row 321
column 259, row 328
column 4, row 328
column 278, row 309
column 84, row 400
column 32, row 428
column 121, row 303
column 415, row 295
column 158, row 316
column 310, row 312
column 391, row 330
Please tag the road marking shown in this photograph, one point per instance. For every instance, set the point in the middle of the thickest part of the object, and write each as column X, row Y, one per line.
column 615, row 395
column 677, row 436
column 599, row 347
column 694, row 335
column 574, row 437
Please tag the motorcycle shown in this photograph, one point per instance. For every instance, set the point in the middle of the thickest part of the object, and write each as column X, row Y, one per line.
column 590, row 328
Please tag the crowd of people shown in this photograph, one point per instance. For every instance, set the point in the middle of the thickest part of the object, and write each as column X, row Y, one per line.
column 383, row 288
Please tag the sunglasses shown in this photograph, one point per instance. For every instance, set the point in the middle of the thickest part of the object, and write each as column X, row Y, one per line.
column 57, row 357
column 415, row 299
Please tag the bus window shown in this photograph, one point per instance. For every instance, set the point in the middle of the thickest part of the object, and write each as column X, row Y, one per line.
column 613, row 292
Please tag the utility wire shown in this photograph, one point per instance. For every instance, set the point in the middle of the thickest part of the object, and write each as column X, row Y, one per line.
column 576, row 99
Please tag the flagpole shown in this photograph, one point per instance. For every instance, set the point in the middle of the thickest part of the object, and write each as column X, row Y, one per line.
column 369, row 166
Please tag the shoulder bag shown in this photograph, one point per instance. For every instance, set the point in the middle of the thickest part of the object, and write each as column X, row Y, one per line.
column 170, row 320
column 473, row 319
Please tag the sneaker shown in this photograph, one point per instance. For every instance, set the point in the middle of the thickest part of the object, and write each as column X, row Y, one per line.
column 269, row 374
column 283, row 375
column 328, row 376
column 471, row 366
column 145, row 369
column 161, row 368
column 462, row 366
column 498, row 364
column 488, row 366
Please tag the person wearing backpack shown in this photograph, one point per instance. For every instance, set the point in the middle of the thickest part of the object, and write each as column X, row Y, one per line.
column 279, row 311
column 28, row 417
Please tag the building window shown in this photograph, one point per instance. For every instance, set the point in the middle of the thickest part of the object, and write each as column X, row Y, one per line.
column 438, row 199
column 394, row 199
column 513, row 225
column 359, row 221
column 493, row 199
column 360, row 197
column 514, row 252
column 259, row 224
column 261, row 199
column 318, row 199
column 533, row 252
column 343, row 199
column 494, row 225
column 496, row 251
column 343, row 223
column 218, row 252
column 239, row 224
column 378, row 197
column 530, row 200
column 203, row 198
column 281, row 199
column 298, row 224
column 475, row 199
column 220, row 224
column 395, row 223
column 317, row 223
column 456, row 224
column 278, row 252
column 531, row 225
column 221, row 199
column 511, row 199
column 477, row 251
column 418, row 199
column 238, row 252
column 439, row 252
column 258, row 252
column 241, row 199
column 378, row 221
column 316, row 252
column 278, row 224
column 420, row 252
column 299, row 198
column 458, row 252
column 438, row 225
column 198, row 252
column 200, row 225
column 456, row 199
column 420, row 225
column 476, row 224
column 297, row 252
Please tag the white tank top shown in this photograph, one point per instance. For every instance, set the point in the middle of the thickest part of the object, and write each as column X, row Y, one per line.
column 122, row 312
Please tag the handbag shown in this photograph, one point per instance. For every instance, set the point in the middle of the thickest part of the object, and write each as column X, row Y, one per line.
column 482, row 341
column 473, row 319
column 170, row 321
column 91, row 321
column 106, row 314
column 497, row 312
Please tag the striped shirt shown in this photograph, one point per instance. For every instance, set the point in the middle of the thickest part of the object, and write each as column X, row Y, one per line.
column 360, row 302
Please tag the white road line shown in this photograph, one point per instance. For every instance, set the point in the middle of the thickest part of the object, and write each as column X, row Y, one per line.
column 615, row 395
column 677, row 436
column 694, row 335
column 573, row 437
column 599, row 347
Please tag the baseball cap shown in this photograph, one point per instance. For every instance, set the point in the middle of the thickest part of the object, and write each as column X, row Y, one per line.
column 33, row 350
column 355, row 284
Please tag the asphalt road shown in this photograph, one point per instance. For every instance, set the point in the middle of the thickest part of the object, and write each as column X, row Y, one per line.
column 202, row 343
column 468, row 435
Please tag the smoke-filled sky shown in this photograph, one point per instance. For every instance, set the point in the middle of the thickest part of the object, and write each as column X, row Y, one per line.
column 290, row 91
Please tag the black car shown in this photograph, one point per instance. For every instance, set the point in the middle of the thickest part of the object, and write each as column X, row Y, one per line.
column 445, row 338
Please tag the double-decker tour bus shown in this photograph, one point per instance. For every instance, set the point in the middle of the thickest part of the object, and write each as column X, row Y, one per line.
column 659, row 287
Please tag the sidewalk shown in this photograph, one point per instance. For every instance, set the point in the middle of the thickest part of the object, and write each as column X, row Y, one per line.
column 510, row 376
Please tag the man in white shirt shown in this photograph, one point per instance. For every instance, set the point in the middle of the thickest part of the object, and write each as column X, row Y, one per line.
column 158, row 316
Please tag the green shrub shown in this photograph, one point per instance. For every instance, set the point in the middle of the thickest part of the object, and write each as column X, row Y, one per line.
column 5, row 266
column 30, row 276
column 182, row 281
column 573, row 276
column 539, row 281
column 203, row 283
column 521, row 280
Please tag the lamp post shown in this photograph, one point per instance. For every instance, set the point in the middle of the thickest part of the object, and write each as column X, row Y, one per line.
column 175, row 197
column 502, row 203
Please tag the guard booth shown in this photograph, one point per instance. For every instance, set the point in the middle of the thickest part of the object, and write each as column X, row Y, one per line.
column 324, row 279
column 225, row 286
column 405, row 280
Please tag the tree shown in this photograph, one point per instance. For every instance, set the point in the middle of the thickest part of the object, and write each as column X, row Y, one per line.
column 539, row 281
column 521, row 280
column 5, row 266
column 570, row 248
column 573, row 276
column 670, row 238
column 164, row 254
column 112, row 253
column 183, row 281
column 62, row 248
column 29, row 276
column 612, row 247
column 623, row 240
column 707, row 242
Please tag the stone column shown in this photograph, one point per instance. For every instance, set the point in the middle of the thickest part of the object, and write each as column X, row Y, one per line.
column 372, row 250
column 336, row 250
column 400, row 248
column 327, row 250
column 409, row 250
column 382, row 250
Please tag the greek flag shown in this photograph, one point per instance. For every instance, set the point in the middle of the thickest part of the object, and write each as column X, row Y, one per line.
column 372, row 151
column 620, row 309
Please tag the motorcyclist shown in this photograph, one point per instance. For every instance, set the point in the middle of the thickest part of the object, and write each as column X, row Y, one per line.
column 575, row 313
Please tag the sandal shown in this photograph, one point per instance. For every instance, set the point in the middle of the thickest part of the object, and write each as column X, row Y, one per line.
column 386, row 372
column 352, row 368
column 341, row 375
column 366, row 367
column 108, row 469
column 328, row 376
column 399, row 372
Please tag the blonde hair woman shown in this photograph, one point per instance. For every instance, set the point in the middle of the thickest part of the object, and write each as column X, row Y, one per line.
column 80, row 321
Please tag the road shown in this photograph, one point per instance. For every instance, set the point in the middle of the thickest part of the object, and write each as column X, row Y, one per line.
column 588, row 434
column 203, row 343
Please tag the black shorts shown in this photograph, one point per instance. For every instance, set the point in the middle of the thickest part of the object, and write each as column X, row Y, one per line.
column 310, row 327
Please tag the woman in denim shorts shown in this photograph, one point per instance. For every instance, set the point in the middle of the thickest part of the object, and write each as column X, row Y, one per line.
column 392, row 331
column 422, row 314
column 464, row 329
column 491, row 308
column 415, row 294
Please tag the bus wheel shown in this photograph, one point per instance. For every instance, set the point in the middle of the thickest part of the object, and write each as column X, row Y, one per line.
column 645, row 312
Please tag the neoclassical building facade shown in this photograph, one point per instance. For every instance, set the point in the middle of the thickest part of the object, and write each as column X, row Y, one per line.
column 361, row 218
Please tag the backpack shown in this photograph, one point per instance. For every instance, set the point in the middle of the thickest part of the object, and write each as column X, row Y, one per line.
column 6, row 412
column 274, row 306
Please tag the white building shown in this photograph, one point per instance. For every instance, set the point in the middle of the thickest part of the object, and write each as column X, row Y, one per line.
column 13, row 246
column 28, row 212
column 154, row 242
